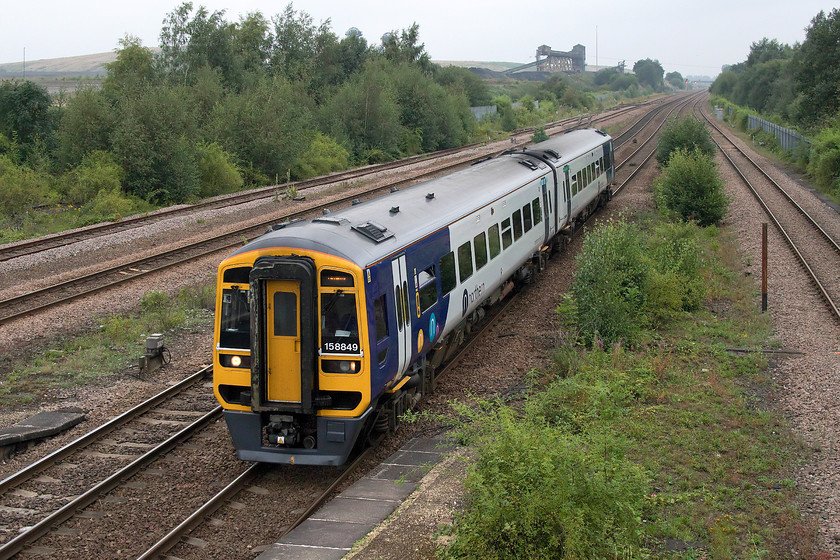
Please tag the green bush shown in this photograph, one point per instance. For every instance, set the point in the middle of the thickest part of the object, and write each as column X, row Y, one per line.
column 688, row 134
column 609, row 287
column 98, row 173
column 324, row 155
column 21, row 189
column 824, row 165
column 217, row 174
column 537, row 491
column 691, row 188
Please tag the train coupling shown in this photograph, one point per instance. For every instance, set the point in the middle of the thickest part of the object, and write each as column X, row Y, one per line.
column 283, row 430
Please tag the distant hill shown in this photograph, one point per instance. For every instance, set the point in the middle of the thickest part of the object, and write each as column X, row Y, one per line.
column 494, row 66
column 85, row 65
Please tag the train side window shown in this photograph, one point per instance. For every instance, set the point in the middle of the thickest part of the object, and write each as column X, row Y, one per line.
column 447, row 273
column 580, row 184
column 379, row 318
column 428, row 288
column 495, row 244
column 591, row 172
column 517, row 225
column 465, row 264
column 526, row 217
column 507, row 238
column 480, row 245
column 537, row 211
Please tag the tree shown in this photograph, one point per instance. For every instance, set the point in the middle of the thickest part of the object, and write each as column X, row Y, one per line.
column 691, row 188
column 402, row 47
column 650, row 72
column 816, row 71
column 132, row 72
column 25, row 113
column 85, row 126
column 675, row 79
column 766, row 50
column 298, row 43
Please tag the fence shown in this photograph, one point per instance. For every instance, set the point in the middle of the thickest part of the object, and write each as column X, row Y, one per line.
column 788, row 139
column 483, row 111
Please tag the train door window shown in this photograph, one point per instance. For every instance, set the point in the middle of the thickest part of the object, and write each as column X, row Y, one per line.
column 526, row 217
column 480, row 245
column 398, row 296
column 493, row 238
column 285, row 314
column 447, row 273
column 428, row 288
column 465, row 264
column 379, row 318
column 507, row 237
column 517, row 225
column 535, row 205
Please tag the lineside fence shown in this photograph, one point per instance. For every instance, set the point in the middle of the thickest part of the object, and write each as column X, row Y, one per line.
column 788, row 139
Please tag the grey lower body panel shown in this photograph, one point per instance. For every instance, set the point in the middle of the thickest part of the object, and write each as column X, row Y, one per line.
column 335, row 439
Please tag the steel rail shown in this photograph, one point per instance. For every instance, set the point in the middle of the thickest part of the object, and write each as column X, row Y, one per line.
column 61, row 515
column 76, row 445
column 803, row 261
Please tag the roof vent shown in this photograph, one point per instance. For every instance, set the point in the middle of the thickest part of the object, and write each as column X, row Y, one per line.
column 395, row 209
column 281, row 225
column 394, row 189
column 330, row 220
column 356, row 201
column 325, row 211
column 529, row 164
column 552, row 153
column 430, row 196
column 373, row 231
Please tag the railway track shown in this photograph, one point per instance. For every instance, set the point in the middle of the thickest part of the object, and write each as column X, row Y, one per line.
column 26, row 304
column 52, row 490
column 817, row 251
column 43, row 535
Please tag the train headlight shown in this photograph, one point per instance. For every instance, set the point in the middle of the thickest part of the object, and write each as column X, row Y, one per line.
column 235, row 361
column 341, row 366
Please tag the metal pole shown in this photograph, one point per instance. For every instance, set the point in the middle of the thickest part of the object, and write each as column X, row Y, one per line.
column 764, row 267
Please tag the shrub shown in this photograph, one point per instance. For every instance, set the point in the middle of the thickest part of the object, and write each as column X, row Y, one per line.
column 21, row 189
column 539, row 135
column 324, row 155
column 537, row 491
column 688, row 134
column 609, row 287
column 691, row 188
column 217, row 174
column 98, row 173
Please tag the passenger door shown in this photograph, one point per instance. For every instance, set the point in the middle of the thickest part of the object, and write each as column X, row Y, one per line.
column 402, row 310
column 283, row 344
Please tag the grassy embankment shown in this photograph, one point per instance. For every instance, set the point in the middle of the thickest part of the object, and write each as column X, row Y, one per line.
column 666, row 447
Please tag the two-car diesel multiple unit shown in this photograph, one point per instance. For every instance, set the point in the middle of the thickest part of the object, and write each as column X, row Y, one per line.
column 328, row 330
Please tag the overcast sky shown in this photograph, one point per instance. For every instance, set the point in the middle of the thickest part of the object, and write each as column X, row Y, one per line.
column 692, row 37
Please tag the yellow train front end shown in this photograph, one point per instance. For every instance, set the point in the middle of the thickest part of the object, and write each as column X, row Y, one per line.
column 290, row 355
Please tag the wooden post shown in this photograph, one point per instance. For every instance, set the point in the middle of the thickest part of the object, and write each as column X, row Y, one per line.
column 764, row 267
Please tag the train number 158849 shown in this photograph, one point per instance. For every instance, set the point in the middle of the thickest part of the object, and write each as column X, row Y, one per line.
column 341, row 347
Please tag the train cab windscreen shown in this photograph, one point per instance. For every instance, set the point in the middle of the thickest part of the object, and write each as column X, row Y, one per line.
column 339, row 323
column 235, row 329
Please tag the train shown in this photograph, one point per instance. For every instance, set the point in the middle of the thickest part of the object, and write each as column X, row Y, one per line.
column 328, row 330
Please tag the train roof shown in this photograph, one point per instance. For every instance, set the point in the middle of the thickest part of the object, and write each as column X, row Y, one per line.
column 373, row 230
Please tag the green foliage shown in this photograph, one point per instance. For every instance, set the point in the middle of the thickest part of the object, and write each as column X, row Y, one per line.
column 110, row 205
column 537, row 491
column 98, row 172
column 133, row 72
column 324, row 155
column 691, row 188
column 539, row 135
column 824, row 164
column 21, row 189
column 25, row 115
column 675, row 79
column 86, row 125
column 217, row 173
column 816, row 71
column 650, row 73
column 689, row 134
column 610, row 284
